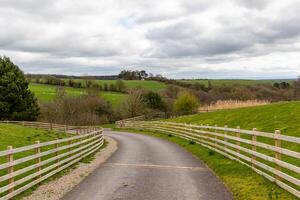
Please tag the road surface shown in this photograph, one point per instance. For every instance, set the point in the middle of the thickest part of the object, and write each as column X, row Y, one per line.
column 149, row 168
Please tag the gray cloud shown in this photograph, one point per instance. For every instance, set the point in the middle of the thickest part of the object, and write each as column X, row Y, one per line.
column 165, row 36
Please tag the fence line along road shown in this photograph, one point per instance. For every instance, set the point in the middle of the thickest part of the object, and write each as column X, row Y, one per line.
column 272, row 155
column 29, row 165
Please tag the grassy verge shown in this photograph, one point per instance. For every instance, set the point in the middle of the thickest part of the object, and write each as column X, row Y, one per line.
column 18, row 136
column 243, row 183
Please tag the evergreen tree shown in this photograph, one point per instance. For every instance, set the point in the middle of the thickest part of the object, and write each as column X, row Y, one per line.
column 17, row 102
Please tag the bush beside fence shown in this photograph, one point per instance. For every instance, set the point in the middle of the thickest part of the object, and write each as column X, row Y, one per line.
column 273, row 155
column 38, row 162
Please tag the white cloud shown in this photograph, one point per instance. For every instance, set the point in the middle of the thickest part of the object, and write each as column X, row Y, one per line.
column 177, row 38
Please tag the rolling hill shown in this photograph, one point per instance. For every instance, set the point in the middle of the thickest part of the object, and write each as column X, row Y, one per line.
column 46, row 93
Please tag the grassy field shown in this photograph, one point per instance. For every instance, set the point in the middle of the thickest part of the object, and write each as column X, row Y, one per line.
column 149, row 85
column 19, row 136
column 46, row 93
column 277, row 116
column 217, row 82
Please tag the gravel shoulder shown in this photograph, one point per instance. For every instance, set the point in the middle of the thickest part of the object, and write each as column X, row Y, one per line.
column 56, row 189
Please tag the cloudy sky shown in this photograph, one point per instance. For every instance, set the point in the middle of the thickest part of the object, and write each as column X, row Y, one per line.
column 176, row 38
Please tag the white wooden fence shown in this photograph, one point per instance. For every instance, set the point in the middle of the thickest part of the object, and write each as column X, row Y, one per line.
column 273, row 155
column 29, row 165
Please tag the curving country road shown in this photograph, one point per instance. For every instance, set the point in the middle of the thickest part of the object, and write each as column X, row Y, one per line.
column 149, row 168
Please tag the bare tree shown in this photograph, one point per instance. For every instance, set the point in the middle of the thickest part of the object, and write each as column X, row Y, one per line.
column 133, row 105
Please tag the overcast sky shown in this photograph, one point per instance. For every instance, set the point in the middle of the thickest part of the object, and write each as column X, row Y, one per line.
column 176, row 38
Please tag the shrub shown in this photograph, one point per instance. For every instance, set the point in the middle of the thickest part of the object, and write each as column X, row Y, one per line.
column 186, row 103
column 17, row 102
column 154, row 101
column 83, row 110
column 120, row 86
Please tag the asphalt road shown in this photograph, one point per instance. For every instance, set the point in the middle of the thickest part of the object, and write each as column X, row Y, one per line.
column 149, row 168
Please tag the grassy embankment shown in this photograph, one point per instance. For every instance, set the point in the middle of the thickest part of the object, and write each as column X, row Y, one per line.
column 241, row 180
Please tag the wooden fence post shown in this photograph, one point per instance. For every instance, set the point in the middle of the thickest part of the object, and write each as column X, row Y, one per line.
column 216, row 143
column 207, row 135
column 238, row 135
column 253, row 147
column 225, row 139
column 51, row 126
column 57, row 153
column 38, row 160
column 278, row 154
column 10, row 169
column 69, row 143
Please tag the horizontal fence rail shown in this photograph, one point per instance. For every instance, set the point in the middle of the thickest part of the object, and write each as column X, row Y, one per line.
column 26, row 166
column 272, row 155
column 44, row 125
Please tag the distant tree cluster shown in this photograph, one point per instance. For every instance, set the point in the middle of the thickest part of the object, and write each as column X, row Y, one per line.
column 169, row 102
column 133, row 75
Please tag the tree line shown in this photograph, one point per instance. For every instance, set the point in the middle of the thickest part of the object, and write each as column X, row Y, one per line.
column 118, row 86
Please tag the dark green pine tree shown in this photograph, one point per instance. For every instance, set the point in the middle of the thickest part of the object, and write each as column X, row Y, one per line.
column 17, row 102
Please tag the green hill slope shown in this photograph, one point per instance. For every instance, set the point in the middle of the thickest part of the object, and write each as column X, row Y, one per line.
column 46, row 93
column 281, row 116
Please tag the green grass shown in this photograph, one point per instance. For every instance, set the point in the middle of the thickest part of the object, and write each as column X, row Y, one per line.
column 277, row 116
column 243, row 182
column 47, row 93
column 149, row 85
column 18, row 136
column 218, row 82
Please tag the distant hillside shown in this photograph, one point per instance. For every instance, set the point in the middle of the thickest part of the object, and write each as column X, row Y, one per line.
column 217, row 82
column 61, row 76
